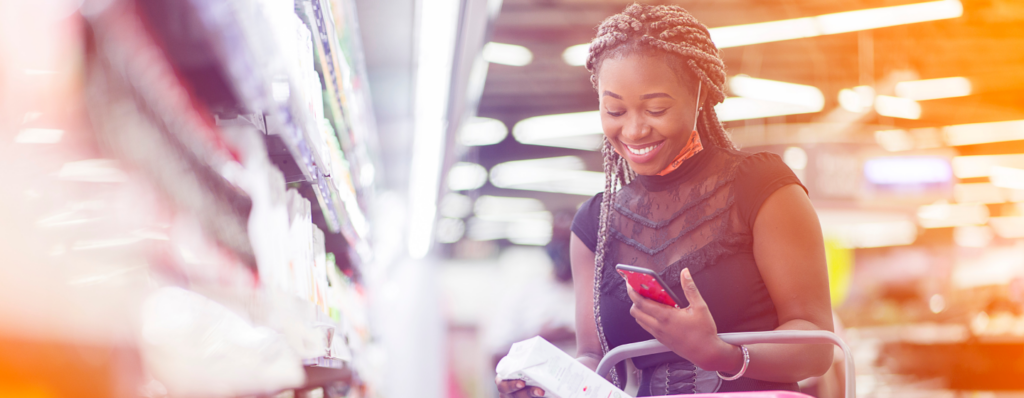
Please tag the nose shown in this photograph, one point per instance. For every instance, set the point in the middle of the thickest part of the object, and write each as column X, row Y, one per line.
column 635, row 129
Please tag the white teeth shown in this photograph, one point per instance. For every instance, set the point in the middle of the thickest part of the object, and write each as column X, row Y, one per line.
column 642, row 151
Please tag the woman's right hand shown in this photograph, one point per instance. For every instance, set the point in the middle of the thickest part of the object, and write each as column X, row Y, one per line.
column 517, row 389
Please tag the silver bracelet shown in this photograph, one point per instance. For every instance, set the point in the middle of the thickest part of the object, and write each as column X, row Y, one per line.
column 746, row 361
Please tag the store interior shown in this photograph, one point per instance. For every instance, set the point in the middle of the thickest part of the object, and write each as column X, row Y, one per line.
column 373, row 198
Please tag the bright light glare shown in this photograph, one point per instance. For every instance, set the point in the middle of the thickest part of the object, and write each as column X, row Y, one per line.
column 920, row 90
column 771, row 90
column 740, row 108
column 522, row 221
column 450, row 230
column 861, row 229
column 972, row 235
column 507, row 54
column 456, row 205
column 897, row 107
column 795, row 157
column 788, row 29
column 978, row 192
column 581, row 130
column 1008, row 227
column 576, row 55
column 496, row 206
column 436, row 47
column 39, row 136
column 564, row 174
column 842, row 22
column 946, row 215
column 1007, row 177
column 894, row 140
column 981, row 165
column 466, row 176
column 907, row 170
column 858, row 99
column 480, row 131
column 92, row 170
column 983, row 133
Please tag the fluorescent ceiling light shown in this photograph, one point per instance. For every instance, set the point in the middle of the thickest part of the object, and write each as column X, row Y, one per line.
column 907, row 170
column 972, row 235
column 740, row 108
column 858, row 99
column 439, row 21
column 455, row 205
column 981, row 165
column 842, row 22
column 921, row 90
column 788, row 29
column 894, row 140
column 497, row 206
column 946, row 215
column 581, row 130
column 576, row 55
column 450, row 230
column 983, row 133
column 507, row 54
column 565, row 174
column 1007, row 177
column 978, row 192
column 1008, row 227
column 480, row 131
column 897, row 107
column 772, row 90
column 39, row 136
column 466, row 176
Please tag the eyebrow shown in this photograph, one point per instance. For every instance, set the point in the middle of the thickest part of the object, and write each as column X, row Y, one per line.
column 611, row 94
column 655, row 95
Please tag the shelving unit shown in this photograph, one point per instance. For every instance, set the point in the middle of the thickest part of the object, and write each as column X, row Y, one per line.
column 221, row 144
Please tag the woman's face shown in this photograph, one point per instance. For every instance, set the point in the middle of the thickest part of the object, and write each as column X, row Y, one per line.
column 646, row 111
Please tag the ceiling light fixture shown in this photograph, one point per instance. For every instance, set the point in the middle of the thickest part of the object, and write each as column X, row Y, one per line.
column 921, row 90
column 858, row 99
column 564, row 174
column 982, row 165
column 788, row 29
column 772, row 90
column 439, row 21
column 897, row 107
column 480, row 131
column 465, row 176
column 507, row 54
column 1007, row 177
column 581, row 130
column 983, row 133
column 945, row 215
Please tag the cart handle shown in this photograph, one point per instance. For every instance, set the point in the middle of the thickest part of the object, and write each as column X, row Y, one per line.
column 651, row 347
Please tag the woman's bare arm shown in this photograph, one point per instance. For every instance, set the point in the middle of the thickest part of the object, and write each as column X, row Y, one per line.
column 790, row 255
column 588, row 346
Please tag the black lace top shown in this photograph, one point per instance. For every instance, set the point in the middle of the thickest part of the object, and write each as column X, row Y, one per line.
column 699, row 216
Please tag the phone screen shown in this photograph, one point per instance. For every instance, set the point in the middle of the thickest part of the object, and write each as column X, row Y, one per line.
column 647, row 284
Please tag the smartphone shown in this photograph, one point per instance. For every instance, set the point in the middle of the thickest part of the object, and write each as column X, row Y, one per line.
column 648, row 284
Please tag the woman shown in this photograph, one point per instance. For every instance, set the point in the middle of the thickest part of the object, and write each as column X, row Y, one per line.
column 732, row 232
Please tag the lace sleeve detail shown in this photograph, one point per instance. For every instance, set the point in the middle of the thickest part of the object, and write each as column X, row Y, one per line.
column 759, row 176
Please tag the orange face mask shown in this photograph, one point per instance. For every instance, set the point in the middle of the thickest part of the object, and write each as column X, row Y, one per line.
column 693, row 144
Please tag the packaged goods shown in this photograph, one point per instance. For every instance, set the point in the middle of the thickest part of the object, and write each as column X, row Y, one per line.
column 541, row 364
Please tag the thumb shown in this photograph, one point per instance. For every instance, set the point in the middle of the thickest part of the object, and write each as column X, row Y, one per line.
column 690, row 288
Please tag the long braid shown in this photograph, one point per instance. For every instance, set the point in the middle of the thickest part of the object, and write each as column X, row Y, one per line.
column 646, row 29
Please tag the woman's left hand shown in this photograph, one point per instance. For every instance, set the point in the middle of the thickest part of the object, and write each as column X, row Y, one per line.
column 689, row 332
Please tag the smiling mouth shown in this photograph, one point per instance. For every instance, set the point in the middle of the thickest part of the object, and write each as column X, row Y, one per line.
column 643, row 150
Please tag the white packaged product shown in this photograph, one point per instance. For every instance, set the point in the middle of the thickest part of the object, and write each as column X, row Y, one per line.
column 541, row 364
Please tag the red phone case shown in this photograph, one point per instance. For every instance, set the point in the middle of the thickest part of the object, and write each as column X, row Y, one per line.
column 648, row 287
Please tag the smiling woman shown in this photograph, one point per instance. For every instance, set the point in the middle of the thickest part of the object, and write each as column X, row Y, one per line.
column 732, row 232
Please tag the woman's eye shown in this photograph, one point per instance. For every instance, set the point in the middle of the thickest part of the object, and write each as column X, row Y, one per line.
column 616, row 114
column 658, row 112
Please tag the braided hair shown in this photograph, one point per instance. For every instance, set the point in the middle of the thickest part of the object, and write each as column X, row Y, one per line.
column 671, row 32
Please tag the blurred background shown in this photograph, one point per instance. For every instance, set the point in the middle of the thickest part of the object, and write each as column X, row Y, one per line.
column 223, row 198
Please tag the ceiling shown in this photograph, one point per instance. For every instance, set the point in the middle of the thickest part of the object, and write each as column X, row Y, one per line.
column 985, row 44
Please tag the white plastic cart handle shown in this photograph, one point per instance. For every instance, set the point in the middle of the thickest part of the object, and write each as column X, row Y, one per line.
column 650, row 347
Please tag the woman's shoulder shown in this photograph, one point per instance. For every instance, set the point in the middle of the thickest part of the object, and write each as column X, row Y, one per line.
column 586, row 222
column 758, row 175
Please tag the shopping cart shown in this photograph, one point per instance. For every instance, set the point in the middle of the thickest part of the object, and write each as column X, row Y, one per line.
column 650, row 347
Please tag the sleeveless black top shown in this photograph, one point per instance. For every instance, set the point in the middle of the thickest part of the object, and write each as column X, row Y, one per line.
column 700, row 217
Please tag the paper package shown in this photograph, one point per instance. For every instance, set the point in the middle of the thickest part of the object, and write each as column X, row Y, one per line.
column 541, row 364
